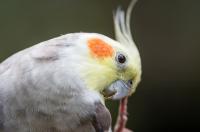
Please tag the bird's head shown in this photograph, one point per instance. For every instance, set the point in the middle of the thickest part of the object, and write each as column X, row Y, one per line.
column 112, row 68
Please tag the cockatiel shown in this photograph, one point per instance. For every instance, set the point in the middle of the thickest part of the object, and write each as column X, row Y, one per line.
column 59, row 85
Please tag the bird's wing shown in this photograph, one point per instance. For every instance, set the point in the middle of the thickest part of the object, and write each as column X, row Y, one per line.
column 102, row 119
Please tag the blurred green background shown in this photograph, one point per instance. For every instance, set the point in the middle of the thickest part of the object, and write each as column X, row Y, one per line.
column 167, row 33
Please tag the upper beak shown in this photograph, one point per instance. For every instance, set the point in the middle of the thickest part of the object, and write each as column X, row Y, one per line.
column 117, row 90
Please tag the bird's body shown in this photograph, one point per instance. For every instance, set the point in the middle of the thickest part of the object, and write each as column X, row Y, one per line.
column 41, row 90
column 59, row 85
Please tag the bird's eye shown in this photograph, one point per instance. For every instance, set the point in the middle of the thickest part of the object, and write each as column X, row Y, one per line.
column 121, row 58
column 130, row 82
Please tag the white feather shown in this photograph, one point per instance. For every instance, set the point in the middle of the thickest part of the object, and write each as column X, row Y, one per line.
column 122, row 25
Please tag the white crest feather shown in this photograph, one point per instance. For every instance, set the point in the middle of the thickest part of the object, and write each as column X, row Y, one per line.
column 122, row 25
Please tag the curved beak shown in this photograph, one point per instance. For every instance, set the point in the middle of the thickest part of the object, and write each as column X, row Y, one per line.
column 117, row 90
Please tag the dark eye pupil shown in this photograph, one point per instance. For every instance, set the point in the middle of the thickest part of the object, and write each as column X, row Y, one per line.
column 121, row 58
column 130, row 82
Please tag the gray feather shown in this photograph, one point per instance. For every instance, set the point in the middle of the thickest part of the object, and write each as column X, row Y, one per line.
column 40, row 89
column 1, row 115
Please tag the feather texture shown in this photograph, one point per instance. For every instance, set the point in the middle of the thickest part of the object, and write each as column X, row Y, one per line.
column 122, row 25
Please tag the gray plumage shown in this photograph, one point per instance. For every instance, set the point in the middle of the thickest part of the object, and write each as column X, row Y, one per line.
column 41, row 90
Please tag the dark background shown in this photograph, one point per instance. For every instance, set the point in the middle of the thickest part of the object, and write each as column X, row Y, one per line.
column 167, row 33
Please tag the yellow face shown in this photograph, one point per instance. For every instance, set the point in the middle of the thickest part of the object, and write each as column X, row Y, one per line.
column 109, row 61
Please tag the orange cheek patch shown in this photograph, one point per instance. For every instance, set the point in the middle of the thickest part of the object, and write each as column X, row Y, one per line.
column 99, row 48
